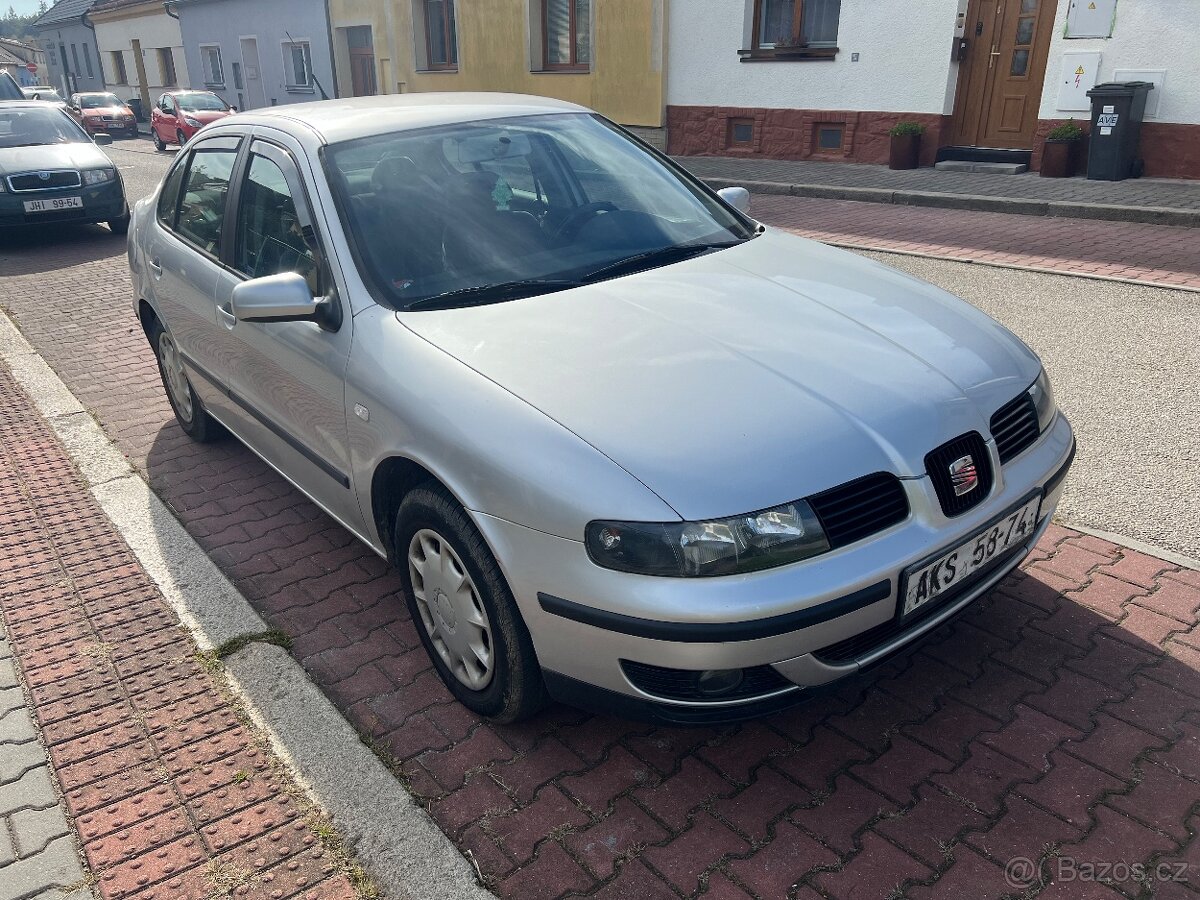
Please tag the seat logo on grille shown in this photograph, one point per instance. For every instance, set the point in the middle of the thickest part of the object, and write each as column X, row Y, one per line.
column 963, row 475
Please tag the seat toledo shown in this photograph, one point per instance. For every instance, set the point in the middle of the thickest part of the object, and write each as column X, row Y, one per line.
column 627, row 447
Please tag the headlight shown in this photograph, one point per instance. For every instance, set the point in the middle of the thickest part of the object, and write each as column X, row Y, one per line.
column 99, row 176
column 191, row 122
column 1043, row 399
column 761, row 540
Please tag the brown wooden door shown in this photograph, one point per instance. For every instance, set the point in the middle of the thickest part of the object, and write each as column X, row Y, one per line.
column 362, row 73
column 1001, row 78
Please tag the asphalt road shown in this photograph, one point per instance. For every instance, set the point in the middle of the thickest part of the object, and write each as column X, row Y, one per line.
column 1124, row 361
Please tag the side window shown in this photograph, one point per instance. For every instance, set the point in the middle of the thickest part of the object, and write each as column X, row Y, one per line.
column 202, row 208
column 168, row 198
column 272, row 236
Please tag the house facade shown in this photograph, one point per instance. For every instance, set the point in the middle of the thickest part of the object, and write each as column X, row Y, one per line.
column 69, row 42
column 16, row 58
column 605, row 54
column 826, row 79
column 142, row 49
column 258, row 52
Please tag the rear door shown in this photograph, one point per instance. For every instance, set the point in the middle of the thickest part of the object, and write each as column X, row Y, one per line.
column 184, row 259
column 287, row 379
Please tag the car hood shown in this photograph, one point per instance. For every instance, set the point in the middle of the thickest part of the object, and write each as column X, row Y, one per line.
column 753, row 376
column 204, row 116
column 107, row 111
column 52, row 156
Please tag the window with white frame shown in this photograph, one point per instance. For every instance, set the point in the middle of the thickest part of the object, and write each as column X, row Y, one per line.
column 210, row 62
column 297, row 65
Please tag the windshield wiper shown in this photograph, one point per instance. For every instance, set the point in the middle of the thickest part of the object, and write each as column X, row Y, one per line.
column 661, row 256
column 493, row 293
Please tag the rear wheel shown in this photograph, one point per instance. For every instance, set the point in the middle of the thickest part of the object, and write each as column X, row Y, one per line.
column 193, row 418
column 463, row 610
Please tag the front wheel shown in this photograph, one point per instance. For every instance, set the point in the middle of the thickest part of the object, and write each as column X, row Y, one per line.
column 180, row 139
column 193, row 418
column 463, row 609
column 159, row 144
column 119, row 226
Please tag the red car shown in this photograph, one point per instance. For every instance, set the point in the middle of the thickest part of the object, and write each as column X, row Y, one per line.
column 102, row 113
column 180, row 114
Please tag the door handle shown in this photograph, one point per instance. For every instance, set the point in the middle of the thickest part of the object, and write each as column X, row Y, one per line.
column 156, row 267
column 228, row 319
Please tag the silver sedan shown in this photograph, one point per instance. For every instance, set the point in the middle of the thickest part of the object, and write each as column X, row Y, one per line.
column 629, row 448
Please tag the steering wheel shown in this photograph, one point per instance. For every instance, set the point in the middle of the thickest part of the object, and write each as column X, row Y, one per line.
column 573, row 222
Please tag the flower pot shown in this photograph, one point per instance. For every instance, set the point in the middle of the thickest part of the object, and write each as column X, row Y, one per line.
column 1058, row 159
column 905, row 152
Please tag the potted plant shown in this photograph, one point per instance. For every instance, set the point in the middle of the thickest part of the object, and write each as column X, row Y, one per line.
column 1060, row 150
column 905, row 152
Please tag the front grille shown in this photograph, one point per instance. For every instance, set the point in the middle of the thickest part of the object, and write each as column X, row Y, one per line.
column 856, row 509
column 681, row 684
column 867, row 641
column 937, row 464
column 1015, row 426
column 32, row 181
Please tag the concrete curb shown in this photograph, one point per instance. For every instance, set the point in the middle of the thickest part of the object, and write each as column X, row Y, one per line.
column 1042, row 270
column 1148, row 215
column 395, row 841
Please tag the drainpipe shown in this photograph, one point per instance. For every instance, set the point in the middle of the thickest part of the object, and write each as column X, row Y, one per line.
column 88, row 24
column 332, row 59
column 167, row 4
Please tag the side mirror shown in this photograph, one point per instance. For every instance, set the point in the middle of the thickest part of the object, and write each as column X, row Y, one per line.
column 285, row 297
column 103, row 139
column 737, row 197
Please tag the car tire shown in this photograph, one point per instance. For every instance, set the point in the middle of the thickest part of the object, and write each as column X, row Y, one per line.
column 437, row 545
column 119, row 226
column 159, row 144
column 180, row 138
column 190, row 413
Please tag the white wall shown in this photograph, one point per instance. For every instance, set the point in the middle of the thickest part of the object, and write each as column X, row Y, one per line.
column 904, row 63
column 156, row 30
column 1149, row 34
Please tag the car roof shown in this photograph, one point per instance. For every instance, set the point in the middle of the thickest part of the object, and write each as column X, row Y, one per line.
column 347, row 119
column 28, row 104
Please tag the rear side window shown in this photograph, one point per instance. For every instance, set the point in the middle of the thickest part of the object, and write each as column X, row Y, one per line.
column 202, row 206
column 168, row 198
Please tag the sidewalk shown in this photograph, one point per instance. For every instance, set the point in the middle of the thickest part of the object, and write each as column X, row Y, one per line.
column 1152, row 201
column 171, row 794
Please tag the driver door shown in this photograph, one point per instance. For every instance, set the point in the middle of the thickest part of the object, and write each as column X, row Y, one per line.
column 287, row 379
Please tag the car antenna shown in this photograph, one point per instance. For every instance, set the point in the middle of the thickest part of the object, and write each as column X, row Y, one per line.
column 311, row 73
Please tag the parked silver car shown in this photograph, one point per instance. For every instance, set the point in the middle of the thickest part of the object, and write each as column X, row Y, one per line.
column 629, row 448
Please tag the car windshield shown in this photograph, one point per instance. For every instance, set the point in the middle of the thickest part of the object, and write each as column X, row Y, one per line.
column 201, row 103
column 30, row 126
column 99, row 101
column 486, row 211
column 42, row 93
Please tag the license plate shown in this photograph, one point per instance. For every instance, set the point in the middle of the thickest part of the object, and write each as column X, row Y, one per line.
column 956, row 566
column 35, row 206
column 114, row 125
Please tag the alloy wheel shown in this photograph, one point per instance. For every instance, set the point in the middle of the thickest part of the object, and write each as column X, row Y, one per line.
column 452, row 612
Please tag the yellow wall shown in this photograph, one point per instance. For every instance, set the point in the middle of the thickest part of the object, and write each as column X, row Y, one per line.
column 625, row 82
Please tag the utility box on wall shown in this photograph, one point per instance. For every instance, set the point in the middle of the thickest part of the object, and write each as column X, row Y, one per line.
column 1091, row 18
column 1079, row 71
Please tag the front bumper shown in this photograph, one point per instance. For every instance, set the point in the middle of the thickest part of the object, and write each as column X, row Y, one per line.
column 101, row 203
column 804, row 625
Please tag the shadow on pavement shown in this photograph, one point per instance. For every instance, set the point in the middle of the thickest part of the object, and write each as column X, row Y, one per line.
column 22, row 251
column 1046, row 723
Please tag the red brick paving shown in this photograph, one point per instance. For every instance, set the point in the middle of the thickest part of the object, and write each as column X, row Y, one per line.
column 166, row 789
column 1023, row 727
column 1153, row 253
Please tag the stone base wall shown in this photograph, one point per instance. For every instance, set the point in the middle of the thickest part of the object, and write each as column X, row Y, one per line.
column 1170, row 150
column 792, row 133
